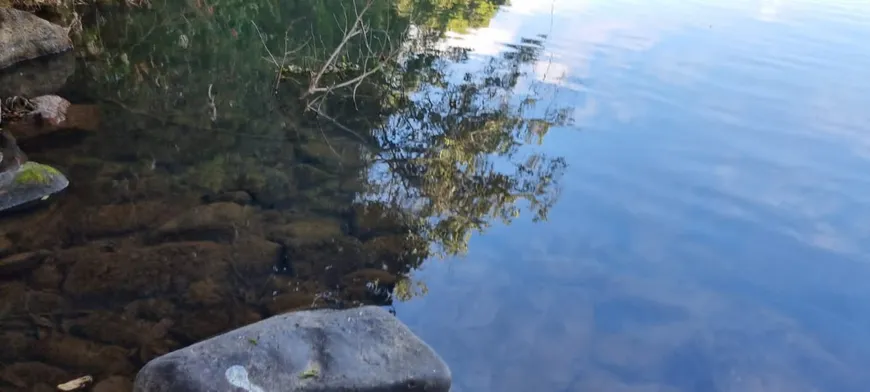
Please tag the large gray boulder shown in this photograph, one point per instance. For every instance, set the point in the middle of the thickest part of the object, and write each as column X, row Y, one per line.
column 361, row 349
column 24, row 36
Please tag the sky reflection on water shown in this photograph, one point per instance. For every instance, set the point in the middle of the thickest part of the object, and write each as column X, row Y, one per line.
column 711, row 233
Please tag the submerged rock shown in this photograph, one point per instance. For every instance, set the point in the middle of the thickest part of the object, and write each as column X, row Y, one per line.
column 211, row 222
column 114, row 384
column 24, row 36
column 46, row 277
column 50, row 109
column 117, row 219
column 37, row 77
column 290, row 301
column 28, row 183
column 6, row 245
column 306, row 231
column 72, row 352
column 51, row 113
column 24, row 374
column 16, row 345
column 21, row 262
column 361, row 349
column 166, row 269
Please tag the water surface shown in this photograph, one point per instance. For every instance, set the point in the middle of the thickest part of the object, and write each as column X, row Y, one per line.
column 709, row 235
column 557, row 196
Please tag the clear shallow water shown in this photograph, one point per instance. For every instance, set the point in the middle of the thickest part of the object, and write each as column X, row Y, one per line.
column 710, row 233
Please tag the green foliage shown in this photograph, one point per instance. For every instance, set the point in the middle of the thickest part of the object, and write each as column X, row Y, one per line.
column 406, row 289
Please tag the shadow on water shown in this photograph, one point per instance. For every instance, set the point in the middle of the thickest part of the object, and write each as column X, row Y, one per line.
column 206, row 195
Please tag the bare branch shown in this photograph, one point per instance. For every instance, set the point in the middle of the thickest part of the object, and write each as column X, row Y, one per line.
column 263, row 40
column 365, row 142
column 346, row 83
column 354, row 31
column 344, row 12
column 328, row 144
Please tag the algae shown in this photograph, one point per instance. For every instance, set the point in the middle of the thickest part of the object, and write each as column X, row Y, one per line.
column 32, row 173
column 312, row 371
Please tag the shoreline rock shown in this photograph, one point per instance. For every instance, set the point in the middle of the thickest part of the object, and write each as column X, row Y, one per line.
column 24, row 36
column 359, row 349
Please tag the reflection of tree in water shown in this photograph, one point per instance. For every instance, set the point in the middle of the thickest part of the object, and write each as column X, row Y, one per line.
column 210, row 200
column 441, row 147
column 457, row 16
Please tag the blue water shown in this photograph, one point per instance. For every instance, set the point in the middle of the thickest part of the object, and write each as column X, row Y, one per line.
column 712, row 230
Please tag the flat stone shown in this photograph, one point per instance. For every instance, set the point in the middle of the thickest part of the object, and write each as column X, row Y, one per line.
column 21, row 262
column 306, row 231
column 116, row 219
column 361, row 349
column 166, row 269
column 30, row 182
column 24, row 36
column 217, row 222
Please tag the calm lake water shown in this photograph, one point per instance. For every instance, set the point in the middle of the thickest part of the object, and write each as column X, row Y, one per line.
column 591, row 196
column 711, row 232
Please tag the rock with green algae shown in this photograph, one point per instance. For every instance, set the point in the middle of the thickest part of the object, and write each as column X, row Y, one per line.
column 29, row 182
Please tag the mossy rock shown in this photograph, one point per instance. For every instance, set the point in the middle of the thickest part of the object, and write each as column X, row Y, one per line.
column 32, row 173
column 30, row 182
